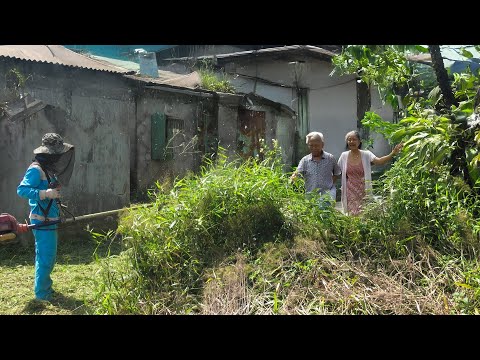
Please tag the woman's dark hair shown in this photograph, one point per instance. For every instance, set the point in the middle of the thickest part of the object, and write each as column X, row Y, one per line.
column 355, row 133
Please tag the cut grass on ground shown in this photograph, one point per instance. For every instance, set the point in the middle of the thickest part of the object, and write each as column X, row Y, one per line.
column 73, row 276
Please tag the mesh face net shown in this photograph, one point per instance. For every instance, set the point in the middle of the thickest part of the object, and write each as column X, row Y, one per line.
column 63, row 167
column 59, row 166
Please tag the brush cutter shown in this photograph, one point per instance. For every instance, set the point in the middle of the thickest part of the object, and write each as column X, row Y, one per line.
column 10, row 227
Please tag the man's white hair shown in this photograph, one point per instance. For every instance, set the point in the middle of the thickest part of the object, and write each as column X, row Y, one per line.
column 314, row 135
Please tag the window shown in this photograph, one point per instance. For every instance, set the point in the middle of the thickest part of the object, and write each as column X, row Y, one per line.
column 165, row 136
column 175, row 136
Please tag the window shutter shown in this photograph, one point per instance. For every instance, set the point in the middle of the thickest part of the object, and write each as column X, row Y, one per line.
column 159, row 134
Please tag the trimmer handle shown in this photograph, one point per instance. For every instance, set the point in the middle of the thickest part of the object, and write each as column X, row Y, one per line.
column 54, row 184
column 22, row 228
column 8, row 224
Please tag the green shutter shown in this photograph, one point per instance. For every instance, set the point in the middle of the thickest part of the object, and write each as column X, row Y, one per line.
column 158, row 135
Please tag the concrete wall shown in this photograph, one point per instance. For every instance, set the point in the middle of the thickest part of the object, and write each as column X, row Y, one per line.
column 385, row 111
column 274, row 71
column 228, row 123
column 333, row 111
column 285, row 134
column 93, row 111
column 187, row 147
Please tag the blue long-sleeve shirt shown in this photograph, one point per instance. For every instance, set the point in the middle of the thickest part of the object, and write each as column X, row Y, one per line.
column 30, row 186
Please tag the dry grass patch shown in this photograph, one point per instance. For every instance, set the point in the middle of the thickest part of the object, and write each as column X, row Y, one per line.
column 304, row 279
column 225, row 290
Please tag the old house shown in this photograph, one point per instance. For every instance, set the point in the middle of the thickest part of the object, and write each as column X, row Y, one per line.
column 177, row 123
column 297, row 76
column 88, row 102
column 129, row 130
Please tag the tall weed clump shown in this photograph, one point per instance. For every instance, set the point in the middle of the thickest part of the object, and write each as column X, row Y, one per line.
column 427, row 206
column 425, row 197
column 204, row 220
column 429, row 220
column 211, row 81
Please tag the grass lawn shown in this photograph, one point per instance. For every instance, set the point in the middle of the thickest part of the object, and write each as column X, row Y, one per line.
column 73, row 276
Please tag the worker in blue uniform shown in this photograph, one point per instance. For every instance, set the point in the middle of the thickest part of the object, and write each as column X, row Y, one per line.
column 40, row 187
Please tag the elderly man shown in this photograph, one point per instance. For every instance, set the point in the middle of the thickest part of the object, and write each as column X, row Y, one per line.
column 319, row 169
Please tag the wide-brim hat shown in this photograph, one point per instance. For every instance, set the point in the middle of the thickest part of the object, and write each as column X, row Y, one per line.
column 52, row 143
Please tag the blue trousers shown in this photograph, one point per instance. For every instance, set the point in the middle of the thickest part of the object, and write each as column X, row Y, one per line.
column 45, row 257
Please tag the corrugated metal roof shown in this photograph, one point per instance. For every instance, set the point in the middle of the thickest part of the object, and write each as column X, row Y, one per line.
column 191, row 81
column 124, row 64
column 57, row 54
column 291, row 48
column 308, row 49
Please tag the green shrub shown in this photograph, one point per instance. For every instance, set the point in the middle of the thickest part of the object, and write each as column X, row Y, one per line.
column 207, row 218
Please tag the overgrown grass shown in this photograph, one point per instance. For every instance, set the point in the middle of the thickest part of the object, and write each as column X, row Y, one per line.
column 238, row 238
column 204, row 220
column 433, row 206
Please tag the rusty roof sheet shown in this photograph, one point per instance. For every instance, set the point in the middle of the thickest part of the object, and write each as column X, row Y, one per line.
column 274, row 51
column 57, row 54
column 191, row 81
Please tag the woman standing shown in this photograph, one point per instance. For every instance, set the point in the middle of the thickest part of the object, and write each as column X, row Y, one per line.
column 357, row 172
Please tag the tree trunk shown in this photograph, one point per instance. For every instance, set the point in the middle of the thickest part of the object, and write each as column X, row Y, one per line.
column 364, row 104
column 442, row 76
column 458, row 157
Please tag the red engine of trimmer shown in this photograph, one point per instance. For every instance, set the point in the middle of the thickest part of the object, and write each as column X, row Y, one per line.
column 9, row 227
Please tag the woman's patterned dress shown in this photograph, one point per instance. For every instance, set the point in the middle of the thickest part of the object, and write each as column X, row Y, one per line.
column 355, row 188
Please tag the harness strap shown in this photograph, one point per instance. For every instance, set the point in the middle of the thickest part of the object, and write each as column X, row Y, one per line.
column 45, row 211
